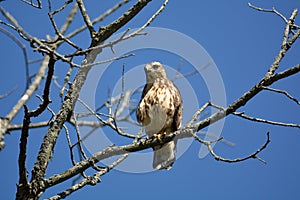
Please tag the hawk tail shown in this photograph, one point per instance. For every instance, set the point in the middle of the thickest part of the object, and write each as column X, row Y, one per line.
column 164, row 156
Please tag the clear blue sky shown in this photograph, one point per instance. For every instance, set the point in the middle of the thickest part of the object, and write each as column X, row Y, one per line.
column 243, row 43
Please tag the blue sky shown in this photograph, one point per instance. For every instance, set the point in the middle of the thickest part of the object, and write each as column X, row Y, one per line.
column 242, row 43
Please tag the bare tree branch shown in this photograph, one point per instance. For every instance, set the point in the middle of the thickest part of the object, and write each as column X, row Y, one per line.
column 90, row 180
column 58, row 33
column 196, row 71
column 14, row 24
column 38, row 5
column 23, row 183
column 46, row 99
column 8, row 93
column 66, row 3
column 108, row 122
column 253, row 155
column 98, row 19
column 284, row 93
column 273, row 10
column 197, row 113
column 255, row 119
column 86, row 18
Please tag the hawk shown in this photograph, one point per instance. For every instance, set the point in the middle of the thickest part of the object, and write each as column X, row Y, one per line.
column 160, row 112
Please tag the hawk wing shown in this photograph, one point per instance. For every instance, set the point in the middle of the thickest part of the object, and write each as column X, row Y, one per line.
column 140, row 112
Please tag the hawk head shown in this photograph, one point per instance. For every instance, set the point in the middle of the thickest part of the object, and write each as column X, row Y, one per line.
column 153, row 71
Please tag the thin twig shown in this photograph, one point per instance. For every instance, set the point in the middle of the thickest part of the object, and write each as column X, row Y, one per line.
column 68, row 20
column 109, row 60
column 224, row 141
column 14, row 24
column 253, row 155
column 121, row 95
column 86, row 18
column 38, row 5
column 98, row 19
column 195, row 71
column 219, row 158
column 70, row 145
column 66, row 3
column 197, row 113
column 273, row 10
column 46, row 93
column 79, row 140
column 255, row 119
column 8, row 93
column 13, row 127
column 106, row 122
column 66, row 81
column 59, row 34
column 24, row 51
column 284, row 93
column 36, row 44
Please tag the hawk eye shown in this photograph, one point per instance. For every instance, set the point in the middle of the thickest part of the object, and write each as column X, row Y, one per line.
column 155, row 66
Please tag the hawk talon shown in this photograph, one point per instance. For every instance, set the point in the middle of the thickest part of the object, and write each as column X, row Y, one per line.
column 142, row 141
column 157, row 136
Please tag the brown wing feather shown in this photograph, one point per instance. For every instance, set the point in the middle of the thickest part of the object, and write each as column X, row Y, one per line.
column 139, row 113
column 178, row 109
column 177, row 117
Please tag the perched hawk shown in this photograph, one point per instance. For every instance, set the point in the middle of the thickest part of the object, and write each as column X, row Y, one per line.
column 160, row 112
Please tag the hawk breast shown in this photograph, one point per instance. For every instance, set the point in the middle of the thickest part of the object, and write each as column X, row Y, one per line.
column 160, row 109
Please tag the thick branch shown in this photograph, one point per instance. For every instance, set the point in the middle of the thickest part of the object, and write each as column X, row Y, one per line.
column 109, row 152
column 23, row 183
column 23, row 148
